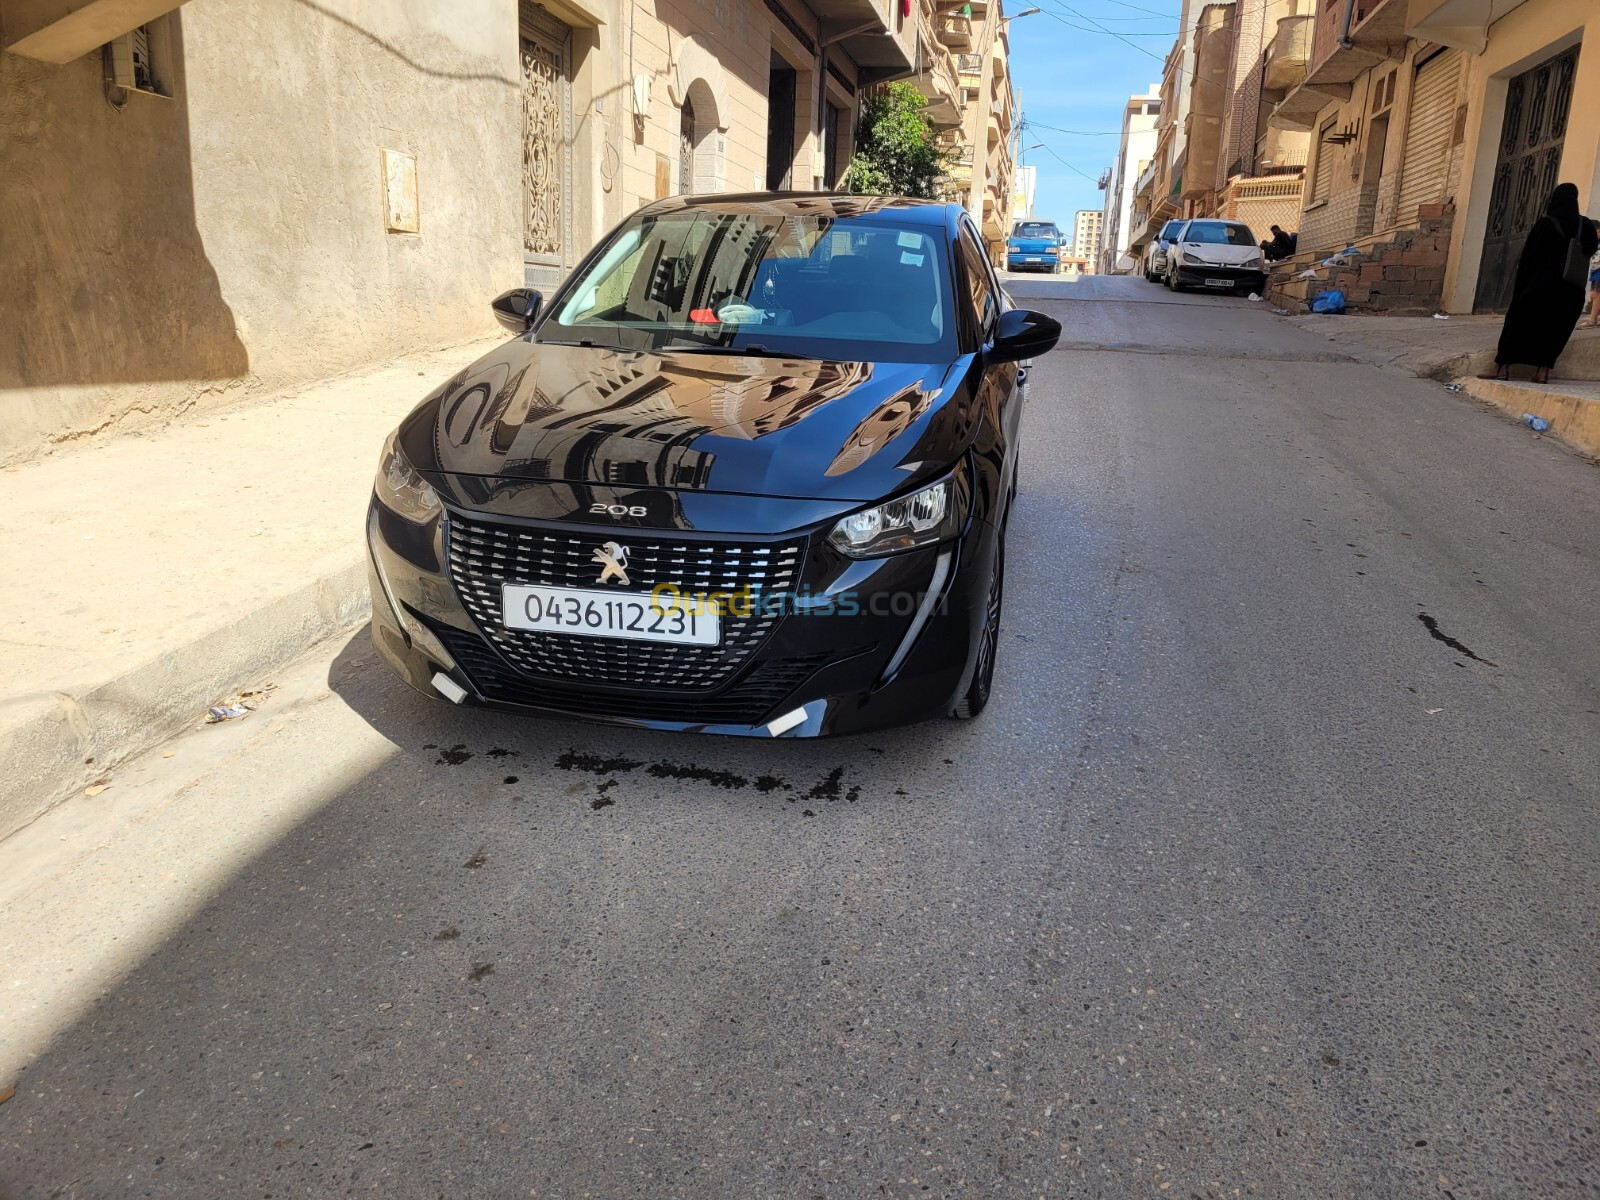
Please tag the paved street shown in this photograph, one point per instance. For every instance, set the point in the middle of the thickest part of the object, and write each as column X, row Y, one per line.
column 1270, row 871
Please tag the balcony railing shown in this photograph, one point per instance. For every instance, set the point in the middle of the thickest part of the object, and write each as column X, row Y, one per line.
column 970, row 64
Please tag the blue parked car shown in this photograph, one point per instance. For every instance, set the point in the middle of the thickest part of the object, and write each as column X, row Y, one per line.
column 1034, row 246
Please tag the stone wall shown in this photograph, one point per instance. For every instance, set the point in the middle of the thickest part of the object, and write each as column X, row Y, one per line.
column 1401, row 271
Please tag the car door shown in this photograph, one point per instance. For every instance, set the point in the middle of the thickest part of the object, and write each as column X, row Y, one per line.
column 998, row 386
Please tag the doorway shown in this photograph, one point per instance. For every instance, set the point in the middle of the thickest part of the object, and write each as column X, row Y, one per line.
column 1527, row 168
column 686, row 149
column 546, row 54
column 780, row 125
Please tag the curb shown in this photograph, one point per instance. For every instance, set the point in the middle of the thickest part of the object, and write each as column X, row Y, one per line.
column 1573, row 415
column 54, row 744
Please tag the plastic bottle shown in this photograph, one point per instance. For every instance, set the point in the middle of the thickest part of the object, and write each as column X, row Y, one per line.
column 1537, row 424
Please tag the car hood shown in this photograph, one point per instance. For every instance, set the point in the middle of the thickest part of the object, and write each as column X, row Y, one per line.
column 737, row 423
column 1220, row 255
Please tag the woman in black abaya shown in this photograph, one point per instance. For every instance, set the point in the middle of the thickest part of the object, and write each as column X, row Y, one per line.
column 1545, row 307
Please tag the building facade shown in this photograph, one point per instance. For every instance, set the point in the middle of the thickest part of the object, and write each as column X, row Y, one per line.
column 1088, row 237
column 983, row 142
column 198, row 224
column 1134, row 155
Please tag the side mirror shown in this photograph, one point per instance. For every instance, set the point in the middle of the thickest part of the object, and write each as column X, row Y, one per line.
column 517, row 309
column 1022, row 334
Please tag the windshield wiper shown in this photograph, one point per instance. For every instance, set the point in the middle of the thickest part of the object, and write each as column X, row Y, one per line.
column 754, row 350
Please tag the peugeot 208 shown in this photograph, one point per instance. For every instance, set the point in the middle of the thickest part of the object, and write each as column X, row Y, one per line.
column 749, row 472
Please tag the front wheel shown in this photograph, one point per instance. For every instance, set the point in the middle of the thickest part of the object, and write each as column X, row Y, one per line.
column 976, row 698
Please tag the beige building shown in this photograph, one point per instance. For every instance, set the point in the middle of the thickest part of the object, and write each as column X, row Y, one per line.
column 1135, row 156
column 981, row 143
column 1438, row 128
column 1088, row 236
column 1527, row 117
column 188, row 222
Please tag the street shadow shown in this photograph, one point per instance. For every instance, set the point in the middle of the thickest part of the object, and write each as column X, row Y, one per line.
column 431, row 983
column 107, row 277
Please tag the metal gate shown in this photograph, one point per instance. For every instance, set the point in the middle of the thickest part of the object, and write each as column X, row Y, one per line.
column 1526, row 170
column 1425, row 172
column 546, row 145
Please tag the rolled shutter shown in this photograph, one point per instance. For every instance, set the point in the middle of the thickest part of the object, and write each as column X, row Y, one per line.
column 1425, row 172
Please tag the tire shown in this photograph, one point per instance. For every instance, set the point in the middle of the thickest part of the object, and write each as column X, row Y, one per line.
column 976, row 698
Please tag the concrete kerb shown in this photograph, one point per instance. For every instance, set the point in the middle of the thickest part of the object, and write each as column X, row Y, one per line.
column 54, row 745
column 1573, row 409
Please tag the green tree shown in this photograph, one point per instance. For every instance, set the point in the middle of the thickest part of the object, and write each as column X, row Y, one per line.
column 896, row 154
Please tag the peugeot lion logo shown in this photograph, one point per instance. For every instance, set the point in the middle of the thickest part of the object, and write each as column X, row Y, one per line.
column 613, row 560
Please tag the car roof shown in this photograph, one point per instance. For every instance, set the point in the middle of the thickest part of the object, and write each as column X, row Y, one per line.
column 836, row 204
column 1216, row 221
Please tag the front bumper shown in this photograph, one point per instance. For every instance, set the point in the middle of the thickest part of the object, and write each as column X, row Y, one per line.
column 815, row 673
column 1239, row 278
column 1023, row 261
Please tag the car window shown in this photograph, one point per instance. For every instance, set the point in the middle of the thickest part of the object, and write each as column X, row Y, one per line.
column 981, row 296
column 1036, row 229
column 1170, row 230
column 862, row 285
column 1219, row 233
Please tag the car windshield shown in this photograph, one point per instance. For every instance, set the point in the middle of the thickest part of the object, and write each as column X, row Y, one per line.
column 1218, row 233
column 843, row 281
column 1170, row 231
column 1036, row 229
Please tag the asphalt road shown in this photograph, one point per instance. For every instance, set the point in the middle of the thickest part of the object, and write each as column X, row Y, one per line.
column 1271, row 870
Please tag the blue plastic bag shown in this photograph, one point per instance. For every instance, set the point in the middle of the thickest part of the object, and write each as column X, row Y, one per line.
column 1328, row 302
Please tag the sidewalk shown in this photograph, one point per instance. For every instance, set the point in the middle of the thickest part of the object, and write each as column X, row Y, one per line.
column 1459, row 348
column 156, row 573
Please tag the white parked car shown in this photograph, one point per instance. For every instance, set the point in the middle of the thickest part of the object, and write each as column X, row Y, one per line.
column 1216, row 256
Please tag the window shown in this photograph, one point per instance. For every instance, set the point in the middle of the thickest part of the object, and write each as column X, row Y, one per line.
column 980, row 291
column 1219, row 233
column 823, row 284
column 1036, row 229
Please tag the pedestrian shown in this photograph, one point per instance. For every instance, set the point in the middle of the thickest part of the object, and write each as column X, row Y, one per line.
column 1594, row 293
column 1282, row 244
column 1547, row 295
column 1266, row 251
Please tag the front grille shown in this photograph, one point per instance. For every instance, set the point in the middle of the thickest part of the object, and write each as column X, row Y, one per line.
column 751, row 701
column 484, row 556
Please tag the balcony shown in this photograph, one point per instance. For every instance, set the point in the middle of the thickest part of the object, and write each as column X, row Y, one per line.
column 871, row 33
column 1376, row 35
column 955, row 32
column 1288, row 53
column 1463, row 24
column 937, row 84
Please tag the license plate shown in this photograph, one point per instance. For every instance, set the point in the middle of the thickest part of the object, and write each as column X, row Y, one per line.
column 586, row 612
column 1219, row 283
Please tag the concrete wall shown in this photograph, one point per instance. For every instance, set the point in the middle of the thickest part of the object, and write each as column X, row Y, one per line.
column 167, row 255
column 1522, row 39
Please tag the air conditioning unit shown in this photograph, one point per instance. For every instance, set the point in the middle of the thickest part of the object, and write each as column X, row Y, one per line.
column 140, row 58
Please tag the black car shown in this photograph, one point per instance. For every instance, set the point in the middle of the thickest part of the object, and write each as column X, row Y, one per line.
column 749, row 472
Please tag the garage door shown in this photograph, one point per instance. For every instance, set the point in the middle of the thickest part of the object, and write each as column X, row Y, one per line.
column 1427, row 171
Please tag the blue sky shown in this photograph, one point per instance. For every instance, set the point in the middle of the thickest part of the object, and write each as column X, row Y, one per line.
column 1074, row 77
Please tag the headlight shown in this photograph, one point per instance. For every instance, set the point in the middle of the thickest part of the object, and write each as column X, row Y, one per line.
column 403, row 490
column 1192, row 259
column 925, row 517
column 1255, row 260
